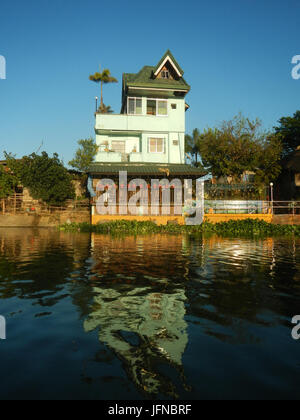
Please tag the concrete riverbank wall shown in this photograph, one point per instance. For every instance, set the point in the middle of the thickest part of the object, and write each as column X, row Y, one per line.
column 47, row 220
column 56, row 219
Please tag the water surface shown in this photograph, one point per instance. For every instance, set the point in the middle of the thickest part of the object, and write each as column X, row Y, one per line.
column 159, row 316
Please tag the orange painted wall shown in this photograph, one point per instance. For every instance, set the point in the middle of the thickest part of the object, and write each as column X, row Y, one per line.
column 216, row 218
column 160, row 220
column 163, row 220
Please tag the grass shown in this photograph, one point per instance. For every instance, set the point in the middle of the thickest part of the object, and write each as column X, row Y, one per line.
column 233, row 228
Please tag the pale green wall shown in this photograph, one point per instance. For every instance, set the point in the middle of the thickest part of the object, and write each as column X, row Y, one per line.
column 170, row 127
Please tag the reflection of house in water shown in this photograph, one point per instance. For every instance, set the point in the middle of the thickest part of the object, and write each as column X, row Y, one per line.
column 139, row 313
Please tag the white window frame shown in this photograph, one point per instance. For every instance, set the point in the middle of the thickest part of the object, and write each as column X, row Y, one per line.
column 135, row 98
column 156, row 108
column 157, row 138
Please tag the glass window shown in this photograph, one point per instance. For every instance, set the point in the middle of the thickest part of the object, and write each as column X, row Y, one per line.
column 157, row 107
column 135, row 106
column 162, row 108
column 156, row 145
column 118, row 146
column 151, row 107
column 131, row 105
column 138, row 106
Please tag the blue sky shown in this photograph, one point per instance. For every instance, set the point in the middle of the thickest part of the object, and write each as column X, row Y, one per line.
column 236, row 55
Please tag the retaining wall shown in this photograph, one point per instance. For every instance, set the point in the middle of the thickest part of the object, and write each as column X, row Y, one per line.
column 36, row 220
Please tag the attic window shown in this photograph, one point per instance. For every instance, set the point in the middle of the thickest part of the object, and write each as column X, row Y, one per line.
column 165, row 74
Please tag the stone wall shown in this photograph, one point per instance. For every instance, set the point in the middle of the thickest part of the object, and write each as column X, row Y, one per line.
column 50, row 220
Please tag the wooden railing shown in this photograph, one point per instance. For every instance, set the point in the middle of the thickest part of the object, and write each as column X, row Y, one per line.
column 16, row 204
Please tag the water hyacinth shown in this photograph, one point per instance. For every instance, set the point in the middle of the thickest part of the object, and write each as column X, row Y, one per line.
column 234, row 228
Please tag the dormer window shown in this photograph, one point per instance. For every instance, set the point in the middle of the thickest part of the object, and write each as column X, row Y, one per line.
column 165, row 74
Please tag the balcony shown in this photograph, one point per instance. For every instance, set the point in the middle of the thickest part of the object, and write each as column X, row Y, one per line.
column 138, row 123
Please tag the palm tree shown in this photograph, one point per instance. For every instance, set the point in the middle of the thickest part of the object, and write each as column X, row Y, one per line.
column 192, row 145
column 104, row 77
column 105, row 109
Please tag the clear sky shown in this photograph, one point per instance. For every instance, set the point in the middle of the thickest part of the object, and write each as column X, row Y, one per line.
column 236, row 55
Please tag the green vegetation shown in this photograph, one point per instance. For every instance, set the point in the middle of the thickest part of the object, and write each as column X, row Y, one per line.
column 289, row 129
column 192, row 146
column 234, row 228
column 46, row 177
column 84, row 155
column 103, row 78
column 8, row 182
column 105, row 109
column 236, row 147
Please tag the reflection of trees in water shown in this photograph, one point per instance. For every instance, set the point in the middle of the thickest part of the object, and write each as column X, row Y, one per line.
column 139, row 306
column 236, row 281
column 36, row 264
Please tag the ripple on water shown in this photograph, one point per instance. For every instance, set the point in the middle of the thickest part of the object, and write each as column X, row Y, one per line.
column 165, row 316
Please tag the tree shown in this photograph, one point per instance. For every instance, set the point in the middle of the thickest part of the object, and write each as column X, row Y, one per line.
column 104, row 77
column 289, row 129
column 46, row 177
column 268, row 160
column 238, row 146
column 8, row 182
column 84, row 155
column 105, row 109
column 192, row 145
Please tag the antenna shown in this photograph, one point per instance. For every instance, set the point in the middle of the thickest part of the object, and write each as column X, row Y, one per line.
column 40, row 147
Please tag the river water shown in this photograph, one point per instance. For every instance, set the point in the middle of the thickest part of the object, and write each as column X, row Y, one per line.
column 158, row 316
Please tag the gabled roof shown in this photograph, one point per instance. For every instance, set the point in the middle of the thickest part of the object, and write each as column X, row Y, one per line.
column 168, row 56
column 145, row 78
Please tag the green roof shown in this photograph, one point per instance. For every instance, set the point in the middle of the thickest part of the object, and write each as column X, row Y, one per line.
column 145, row 77
column 168, row 53
column 146, row 169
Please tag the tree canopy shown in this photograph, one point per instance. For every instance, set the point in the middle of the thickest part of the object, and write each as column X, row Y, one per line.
column 8, row 182
column 289, row 129
column 240, row 145
column 105, row 109
column 46, row 177
column 192, row 145
column 84, row 155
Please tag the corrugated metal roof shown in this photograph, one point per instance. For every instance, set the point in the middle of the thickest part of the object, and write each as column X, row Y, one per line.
column 164, row 170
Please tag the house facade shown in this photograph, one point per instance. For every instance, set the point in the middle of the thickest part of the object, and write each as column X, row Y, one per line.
column 151, row 125
column 146, row 140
